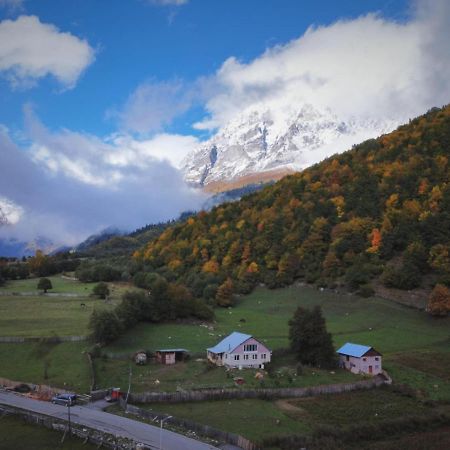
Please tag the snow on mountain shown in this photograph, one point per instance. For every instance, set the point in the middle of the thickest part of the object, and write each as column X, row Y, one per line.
column 261, row 141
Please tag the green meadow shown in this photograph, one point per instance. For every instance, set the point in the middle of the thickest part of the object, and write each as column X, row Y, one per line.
column 17, row 434
column 415, row 346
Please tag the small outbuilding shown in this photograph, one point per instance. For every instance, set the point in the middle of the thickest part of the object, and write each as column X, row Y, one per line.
column 171, row 355
column 239, row 350
column 360, row 359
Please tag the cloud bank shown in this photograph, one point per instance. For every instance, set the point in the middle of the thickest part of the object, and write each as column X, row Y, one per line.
column 30, row 50
column 370, row 67
column 68, row 185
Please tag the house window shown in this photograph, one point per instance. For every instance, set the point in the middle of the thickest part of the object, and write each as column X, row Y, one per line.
column 377, row 367
column 236, row 357
column 376, row 358
column 347, row 358
column 250, row 348
column 226, row 355
column 245, row 356
column 263, row 356
column 255, row 356
column 364, row 359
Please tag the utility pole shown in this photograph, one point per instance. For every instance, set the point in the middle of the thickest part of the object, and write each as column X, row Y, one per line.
column 161, row 429
column 129, row 385
column 68, row 410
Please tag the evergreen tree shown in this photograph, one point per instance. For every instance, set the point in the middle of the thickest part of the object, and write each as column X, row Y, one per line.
column 309, row 338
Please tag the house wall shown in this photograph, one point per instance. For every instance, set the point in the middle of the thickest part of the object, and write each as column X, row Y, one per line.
column 361, row 365
column 169, row 358
column 215, row 358
column 248, row 358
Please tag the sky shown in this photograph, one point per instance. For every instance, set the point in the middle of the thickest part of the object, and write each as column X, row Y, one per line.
column 100, row 101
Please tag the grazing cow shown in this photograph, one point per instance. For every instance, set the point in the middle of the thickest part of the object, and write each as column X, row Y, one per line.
column 83, row 305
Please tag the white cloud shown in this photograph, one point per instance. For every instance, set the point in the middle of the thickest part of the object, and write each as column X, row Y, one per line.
column 154, row 105
column 10, row 213
column 72, row 184
column 30, row 49
column 169, row 2
column 369, row 66
column 102, row 162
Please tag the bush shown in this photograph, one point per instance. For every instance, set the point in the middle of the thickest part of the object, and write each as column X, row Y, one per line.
column 105, row 326
column 44, row 284
column 407, row 276
column 101, row 289
column 365, row 290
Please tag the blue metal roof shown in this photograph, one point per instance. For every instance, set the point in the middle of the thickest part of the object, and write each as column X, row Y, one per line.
column 230, row 342
column 355, row 350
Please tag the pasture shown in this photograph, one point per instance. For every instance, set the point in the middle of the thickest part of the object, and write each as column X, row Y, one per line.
column 386, row 325
column 412, row 342
column 62, row 365
column 46, row 316
column 60, row 313
column 258, row 419
column 15, row 433
column 63, row 285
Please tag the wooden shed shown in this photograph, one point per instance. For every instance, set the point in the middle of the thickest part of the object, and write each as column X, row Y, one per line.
column 171, row 355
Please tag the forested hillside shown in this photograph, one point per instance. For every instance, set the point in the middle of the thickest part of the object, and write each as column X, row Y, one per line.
column 380, row 209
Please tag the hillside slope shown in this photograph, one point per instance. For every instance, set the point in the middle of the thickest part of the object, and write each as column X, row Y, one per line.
column 381, row 208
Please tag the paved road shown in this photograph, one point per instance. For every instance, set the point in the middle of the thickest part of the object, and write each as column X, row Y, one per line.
column 100, row 420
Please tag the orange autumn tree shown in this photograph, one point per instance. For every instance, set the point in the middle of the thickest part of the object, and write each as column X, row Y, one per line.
column 439, row 301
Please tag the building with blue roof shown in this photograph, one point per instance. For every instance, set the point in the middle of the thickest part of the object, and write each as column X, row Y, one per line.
column 239, row 350
column 360, row 359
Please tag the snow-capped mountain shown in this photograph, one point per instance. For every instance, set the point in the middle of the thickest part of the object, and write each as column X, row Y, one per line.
column 261, row 142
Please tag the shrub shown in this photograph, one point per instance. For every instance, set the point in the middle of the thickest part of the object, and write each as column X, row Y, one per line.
column 101, row 289
column 365, row 290
column 44, row 284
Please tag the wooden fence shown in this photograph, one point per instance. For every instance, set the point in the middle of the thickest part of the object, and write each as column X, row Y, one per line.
column 47, row 339
column 263, row 393
column 203, row 430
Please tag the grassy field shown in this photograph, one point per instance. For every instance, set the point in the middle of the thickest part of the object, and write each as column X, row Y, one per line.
column 351, row 408
column 17, row 434
column 388, row 326
column 196, row 374
column 258, row 419
column 63, row 285
column 62, row 315
column 67, row 366
column 46, row 316
column 253, row 419
column 415, row 346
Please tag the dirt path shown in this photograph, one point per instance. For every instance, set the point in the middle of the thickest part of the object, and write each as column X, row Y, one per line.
column 287, row 407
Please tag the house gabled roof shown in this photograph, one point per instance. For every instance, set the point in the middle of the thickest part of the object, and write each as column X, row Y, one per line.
column 355, row 350
column 230, row 342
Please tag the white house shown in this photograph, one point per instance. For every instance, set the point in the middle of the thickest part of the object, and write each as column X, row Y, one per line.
column 360, row 359
column 240, row 351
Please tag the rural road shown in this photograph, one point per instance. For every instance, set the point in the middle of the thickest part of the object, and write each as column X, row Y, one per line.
column 103, row 421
